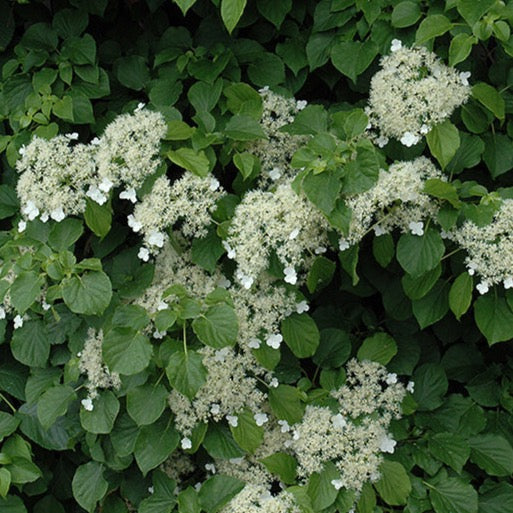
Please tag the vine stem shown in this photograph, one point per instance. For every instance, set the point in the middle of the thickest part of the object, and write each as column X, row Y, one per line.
column 2, row 396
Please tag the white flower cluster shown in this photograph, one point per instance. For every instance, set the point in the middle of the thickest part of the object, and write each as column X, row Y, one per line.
column 413, row 92
column 190, row 199
column 57, row 177
column 355, row 436
column 256, row 498
column 396, row 200
column 91, row 363
column 275, row 152
column 489, row 248
column 282, row 222
column 229, row 389
column 54, row 178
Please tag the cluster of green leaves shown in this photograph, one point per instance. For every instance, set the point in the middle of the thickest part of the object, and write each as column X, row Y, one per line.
column 402, row 300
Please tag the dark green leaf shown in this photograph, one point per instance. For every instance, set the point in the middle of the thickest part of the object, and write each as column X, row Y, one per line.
column 217, row 491
column 394, row 486
column 380, row 347
column 126, row 351
column 89, row 485
column 301, row 334
column 88, row 294
column 100, row 419
column 186, row 372
column 419, row 254
column 146, row 403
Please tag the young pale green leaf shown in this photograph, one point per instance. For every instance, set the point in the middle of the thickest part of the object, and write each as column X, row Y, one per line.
column 244, row 128
column 231, row 11
column 494, row 318
column 100, row 419
column 460, row 295
column 194, row 161
column 218, row 327
column 472, row 11
column 247, row 434
column 460, row 48
column 245, row 162
column 450, row 448
column 419, row 254
column 394, row 487
column 88, row 294
column 492, row 453
column 217, row 491
column 186, row 372
column 241, row 98
column 380, row 347
column 285, row 402
column 453, row 495
column 54, row 403
column 126, row 351
column 146, row 403
column 490, row 98
column 188, row 501
column 442, row 190
column 443, row 141
column 282, row 465
column 301, row 334
column 5, row 481
column 155, row 443
column 184, row 5
column 8, row 424
column 431, row 27
column 405, row 14
column 178, row 130
column 433, row 306
column 89, row 485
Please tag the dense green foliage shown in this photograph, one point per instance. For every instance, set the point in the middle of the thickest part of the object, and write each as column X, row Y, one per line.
column 403, row 300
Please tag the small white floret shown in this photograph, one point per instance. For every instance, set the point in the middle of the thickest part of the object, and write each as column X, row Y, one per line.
column 337, row 483
column 57, row 214
column 22, row 226
column 274, row 341
column 87, row 403
column 214, row 184
column 44, row 217
column 159, row 334
column 294, row 233
column 290, row 275
column 391, row 378
column 30, row 210
column 233, row 420
column 129, row 194
column 215, row 409
column 382, row 141
column 378, row 231
column 483, row 287
column 96, row 195
column 343, row 244
column 274, row 383
column 302, row 307
column 274, row 174
column 508, row 282
column 133, row 223
column 410, row 387
column 416, row 228
column 18, row 322
column 464, row 76
column 396, row 45
column 186, row 443
column 254, row 343
column 210, row 467
column 387, row 444
column 301, row 104
column 284, row 426
column 2, row 312
column 105, row 185
column 144, row 254
column 408, row 139
column 260, row 418
column 338, row 421
column 230, row 252
column 156, row 239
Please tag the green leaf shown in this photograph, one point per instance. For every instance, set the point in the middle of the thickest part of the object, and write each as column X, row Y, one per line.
column 5, row 481
column 394, row 486
column 268, row 69
column 320, row 274
column 490, row 98
column 245, row 162
column 217, row 491
column 334, row 349
column 65, row 234
column 178, row 130
column 244, row 128
column 79, row 50
column 380, row 347
column 322, row 190
column 442, row 190
column 8, row 424
column 275, row 12
column 460, row 48
column 452, row 495
column 492, row 453
column 188, row 501
column 383, row 249
column 88, row 294
column 417, row 287
column 430, row 386
column 30, row 344
column 285, row 402
column 433, row 306
column 472, row 11
column 100, row 419
column 352, row 58
column 460, row 295
column 130, row 316
column 9, row 204
column 146, row 403
column 184, row 5
column 88, row 485
column 219, row 443
column 54, row 403
column 431, row 27
column 206, row 251
column 63, row 108
column 126, row 351
column 450, row 448
column 282, row 465
column 496, row 499
column 186, row 372
column 70, row 22
column 241, row 98
column 194, row 161
column 419, row 254
column 155, row 443
column 361, row 173
column 98, row 218
column 443, row 141
column 313, row 119
column 132, row 72
column 498, row 154
column 24, row 290
column 218, row 327
column 231, row 11
column 322, row 493
column 494, row 318
column 247, row 434
column 301, row 334
column 405, row 14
